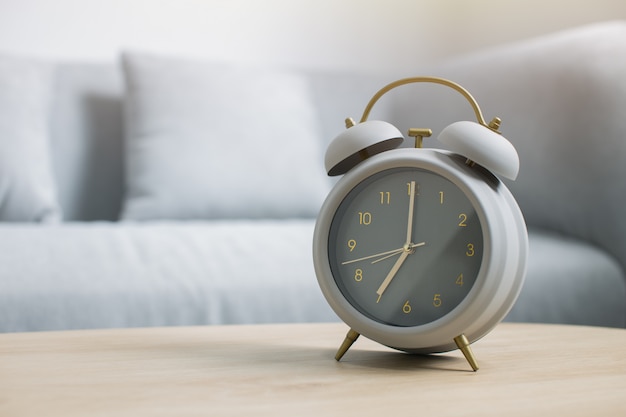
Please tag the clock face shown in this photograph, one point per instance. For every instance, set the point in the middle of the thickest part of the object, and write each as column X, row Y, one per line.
column 405, row 246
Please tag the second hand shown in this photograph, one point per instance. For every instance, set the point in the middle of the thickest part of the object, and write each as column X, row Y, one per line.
column 383, row 255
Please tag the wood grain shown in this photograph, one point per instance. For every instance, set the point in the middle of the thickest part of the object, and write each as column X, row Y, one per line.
column 276, row 370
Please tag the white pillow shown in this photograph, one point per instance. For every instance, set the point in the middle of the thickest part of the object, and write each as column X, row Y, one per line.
column 27, row 188
column 214, row 140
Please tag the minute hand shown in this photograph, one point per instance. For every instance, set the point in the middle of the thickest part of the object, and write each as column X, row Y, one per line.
column 409, row 226
column 407, row 249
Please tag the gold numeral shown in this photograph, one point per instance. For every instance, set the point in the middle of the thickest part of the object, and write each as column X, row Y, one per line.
column 406, row 308
column 463, row 220
column 440, row 197
column 351, row 244
column 385, row 197
column 437, row 300
column 459, row 280
column 470, row 249
column 358, row 275
column 365, row 218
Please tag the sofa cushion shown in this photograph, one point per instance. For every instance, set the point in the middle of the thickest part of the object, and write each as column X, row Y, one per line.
column 159, row 273
column 104, row 274
column 27, row 191
column 214, row 140
column 570, row 281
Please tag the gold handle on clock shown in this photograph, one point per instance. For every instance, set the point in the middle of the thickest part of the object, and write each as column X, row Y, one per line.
column 473, row 140
column 493, row 125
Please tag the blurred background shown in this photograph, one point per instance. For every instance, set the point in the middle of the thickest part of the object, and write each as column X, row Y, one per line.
column 120, row 135
column 367, row 34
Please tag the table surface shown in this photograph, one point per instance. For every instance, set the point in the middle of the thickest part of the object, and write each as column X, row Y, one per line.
column 275, row 370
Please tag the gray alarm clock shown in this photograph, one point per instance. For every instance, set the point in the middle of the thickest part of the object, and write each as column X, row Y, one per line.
column 420, row 249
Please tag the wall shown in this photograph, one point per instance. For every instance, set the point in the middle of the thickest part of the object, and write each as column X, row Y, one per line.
column 370, row 34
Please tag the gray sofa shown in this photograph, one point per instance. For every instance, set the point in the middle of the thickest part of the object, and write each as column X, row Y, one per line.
column 122, row 234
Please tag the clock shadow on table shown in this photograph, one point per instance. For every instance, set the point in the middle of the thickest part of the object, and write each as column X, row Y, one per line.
column 380, row 358
column 359, row 359
column 401, row 361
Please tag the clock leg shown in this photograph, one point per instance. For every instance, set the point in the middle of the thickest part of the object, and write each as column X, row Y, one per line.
column 464, row 345
column 347, row 342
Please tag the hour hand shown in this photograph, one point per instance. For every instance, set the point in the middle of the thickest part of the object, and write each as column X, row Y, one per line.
column 392, row 273
column 406, row 251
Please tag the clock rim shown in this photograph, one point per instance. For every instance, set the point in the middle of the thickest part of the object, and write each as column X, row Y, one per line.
column 466, row 317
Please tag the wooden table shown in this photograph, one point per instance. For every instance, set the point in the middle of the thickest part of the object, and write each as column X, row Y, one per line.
column 276, row 370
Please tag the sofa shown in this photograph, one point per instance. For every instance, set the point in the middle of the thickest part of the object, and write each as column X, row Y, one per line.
column 167, row 191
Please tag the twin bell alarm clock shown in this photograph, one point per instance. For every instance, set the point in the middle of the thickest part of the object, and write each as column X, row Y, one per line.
column 422, row 250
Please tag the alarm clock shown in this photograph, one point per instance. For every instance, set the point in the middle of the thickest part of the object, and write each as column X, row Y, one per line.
column 420, row 249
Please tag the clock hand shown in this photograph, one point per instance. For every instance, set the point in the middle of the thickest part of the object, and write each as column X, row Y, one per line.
column 391, row 253
column 409, row 227
column 385, row 255
column 392, row 273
